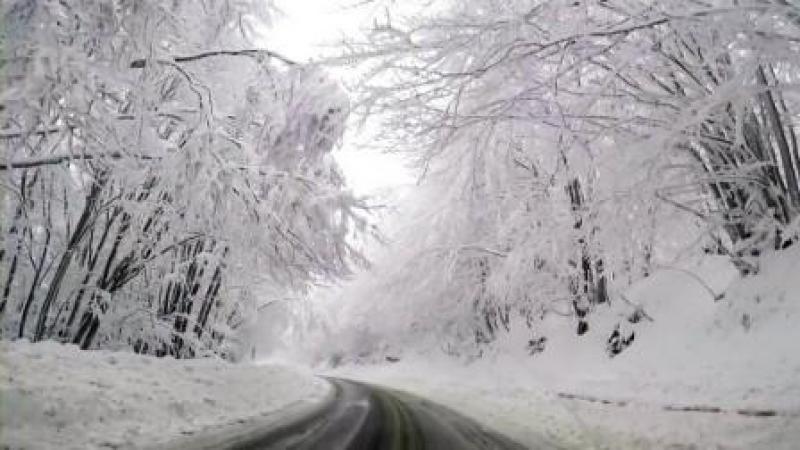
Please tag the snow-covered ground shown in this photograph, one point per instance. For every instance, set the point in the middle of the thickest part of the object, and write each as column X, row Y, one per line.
column 56, row 396
column 736, row 359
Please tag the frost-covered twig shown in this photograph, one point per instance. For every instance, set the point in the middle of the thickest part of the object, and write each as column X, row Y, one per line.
column 699, row 280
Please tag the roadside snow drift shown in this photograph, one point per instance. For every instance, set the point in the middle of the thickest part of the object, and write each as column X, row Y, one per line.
column 716, row 366
column 57, row 396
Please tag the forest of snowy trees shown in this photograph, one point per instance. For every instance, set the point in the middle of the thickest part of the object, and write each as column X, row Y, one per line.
column 452, row 224
column 161, row 172
column 157, row 170
column 568, row 149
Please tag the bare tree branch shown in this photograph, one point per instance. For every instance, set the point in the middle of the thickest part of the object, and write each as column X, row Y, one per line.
column 252, row 53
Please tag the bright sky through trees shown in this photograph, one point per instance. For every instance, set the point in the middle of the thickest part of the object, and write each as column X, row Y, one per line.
column 308, row 29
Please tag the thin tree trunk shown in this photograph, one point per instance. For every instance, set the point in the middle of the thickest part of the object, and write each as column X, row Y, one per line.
column 34, row 285
column 81, row 227
column 778, row 132
column 90, row 269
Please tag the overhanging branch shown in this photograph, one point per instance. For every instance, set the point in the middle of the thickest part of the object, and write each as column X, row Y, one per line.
column 252, row 53
column 58, row 159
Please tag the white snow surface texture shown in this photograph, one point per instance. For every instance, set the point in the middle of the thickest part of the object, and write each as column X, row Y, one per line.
column 739, row 353
column 57, row 396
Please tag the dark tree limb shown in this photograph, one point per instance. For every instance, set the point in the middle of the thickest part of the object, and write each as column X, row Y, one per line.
column 252, row 53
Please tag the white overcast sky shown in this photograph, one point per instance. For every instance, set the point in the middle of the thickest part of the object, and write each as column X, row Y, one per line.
column 306, row 30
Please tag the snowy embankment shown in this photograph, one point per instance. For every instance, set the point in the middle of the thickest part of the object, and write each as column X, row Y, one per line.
column 56, row 396
column 700, row 373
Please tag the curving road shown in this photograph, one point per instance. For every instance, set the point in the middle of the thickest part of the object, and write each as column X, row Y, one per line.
column 365, row 417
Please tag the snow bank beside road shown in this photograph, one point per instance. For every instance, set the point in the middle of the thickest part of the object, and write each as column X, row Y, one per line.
column 510, row 400
column 735, row 360
column 56, row 396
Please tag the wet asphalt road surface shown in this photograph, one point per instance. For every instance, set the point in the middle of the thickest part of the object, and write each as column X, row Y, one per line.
column 366, row 417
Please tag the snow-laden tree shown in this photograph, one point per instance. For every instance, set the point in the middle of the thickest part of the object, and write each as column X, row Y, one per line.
column 159, row 172
column 571, row 147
